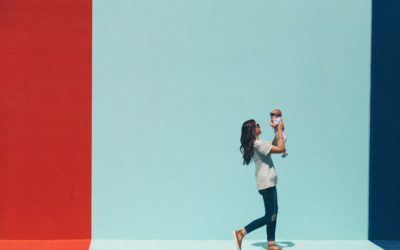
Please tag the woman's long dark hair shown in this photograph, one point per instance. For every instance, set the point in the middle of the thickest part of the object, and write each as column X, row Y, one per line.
column 247, row 140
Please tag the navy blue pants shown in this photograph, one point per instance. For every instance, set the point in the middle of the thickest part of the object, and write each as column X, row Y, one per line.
column 270, row 198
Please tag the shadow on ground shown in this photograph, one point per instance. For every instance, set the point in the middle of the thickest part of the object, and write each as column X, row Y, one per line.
column 279, row 243
column 388, row 244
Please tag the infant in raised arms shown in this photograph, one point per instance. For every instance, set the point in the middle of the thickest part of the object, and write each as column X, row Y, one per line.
column 276, row 117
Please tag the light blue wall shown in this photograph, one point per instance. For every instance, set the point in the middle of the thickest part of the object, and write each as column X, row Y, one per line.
column 173, row 81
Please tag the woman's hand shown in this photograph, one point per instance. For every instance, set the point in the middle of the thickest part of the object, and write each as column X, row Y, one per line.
column 281, row 125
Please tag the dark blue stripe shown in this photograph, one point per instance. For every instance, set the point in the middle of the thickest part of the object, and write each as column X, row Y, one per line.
column 384, row 193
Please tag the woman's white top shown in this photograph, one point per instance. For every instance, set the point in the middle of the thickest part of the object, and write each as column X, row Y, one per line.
column 265, row 171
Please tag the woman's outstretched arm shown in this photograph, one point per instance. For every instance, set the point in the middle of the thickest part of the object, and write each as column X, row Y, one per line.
column 279, row 147
column 275, row 141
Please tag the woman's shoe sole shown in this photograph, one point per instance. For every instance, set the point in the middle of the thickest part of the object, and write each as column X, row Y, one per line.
column 236, row 240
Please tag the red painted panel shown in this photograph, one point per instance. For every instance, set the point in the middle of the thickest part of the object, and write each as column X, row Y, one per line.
column 44, row 244
column 45, row 119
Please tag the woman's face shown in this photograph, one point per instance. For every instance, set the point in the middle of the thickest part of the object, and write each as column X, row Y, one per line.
column 258, row 129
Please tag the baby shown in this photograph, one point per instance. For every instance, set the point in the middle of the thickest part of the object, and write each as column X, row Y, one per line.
column 276, row 117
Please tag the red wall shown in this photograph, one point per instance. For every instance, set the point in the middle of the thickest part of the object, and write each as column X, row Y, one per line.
column 45, row 119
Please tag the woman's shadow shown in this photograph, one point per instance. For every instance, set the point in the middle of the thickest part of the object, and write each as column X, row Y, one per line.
column 282, row 244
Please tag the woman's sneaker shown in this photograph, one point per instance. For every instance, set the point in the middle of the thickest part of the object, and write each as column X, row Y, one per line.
column 238, row 236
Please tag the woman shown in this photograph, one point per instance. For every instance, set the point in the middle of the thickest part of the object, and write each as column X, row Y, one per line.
column 259, row 151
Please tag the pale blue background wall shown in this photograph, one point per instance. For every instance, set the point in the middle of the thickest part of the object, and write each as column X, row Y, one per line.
column 174, row 80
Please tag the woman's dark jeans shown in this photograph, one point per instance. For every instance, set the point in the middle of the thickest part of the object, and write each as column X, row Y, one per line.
column 270, row 198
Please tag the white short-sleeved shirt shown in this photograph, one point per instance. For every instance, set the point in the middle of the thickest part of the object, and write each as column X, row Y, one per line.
column 265, row 171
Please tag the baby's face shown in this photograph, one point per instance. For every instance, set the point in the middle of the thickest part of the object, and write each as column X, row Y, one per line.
column 275, row 115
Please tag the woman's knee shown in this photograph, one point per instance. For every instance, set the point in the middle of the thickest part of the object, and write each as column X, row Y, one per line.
column 273, row 217
column 270, row 217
